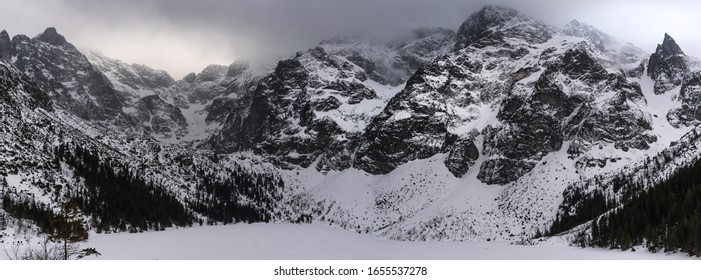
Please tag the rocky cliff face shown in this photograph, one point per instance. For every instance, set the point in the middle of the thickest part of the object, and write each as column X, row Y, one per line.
column 671, row 69
column 189, row 109
column 514, row 90
column 668, row 65
column 131, row 98
column 62, row 71
column 319, row 102
column 6, row 50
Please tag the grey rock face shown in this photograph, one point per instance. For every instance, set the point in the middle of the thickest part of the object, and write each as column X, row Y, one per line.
column 221, row 107
column 668, row 65
column 521, row 102
column 317, row 104
column 462, row 156
column 62, row 71
column 281, row 118
column 168, row 120
column 689, row 113
column 538, row 124
column 52, row 37
column 618, row 53
column 6, row 50
column 407, row 129
column 223, row 89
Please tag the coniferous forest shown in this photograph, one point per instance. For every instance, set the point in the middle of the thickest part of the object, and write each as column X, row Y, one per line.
column 237, row 197
column 665, row 217
column 26, row 208
column 115, row 199
column 118, row 200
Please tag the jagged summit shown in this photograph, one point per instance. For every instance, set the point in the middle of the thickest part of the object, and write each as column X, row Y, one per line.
column 669, row 46
column 492, row 23
column 668, row 65
column 51, row 36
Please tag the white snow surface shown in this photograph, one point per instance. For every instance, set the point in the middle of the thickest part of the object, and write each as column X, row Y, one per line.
column 292, row 241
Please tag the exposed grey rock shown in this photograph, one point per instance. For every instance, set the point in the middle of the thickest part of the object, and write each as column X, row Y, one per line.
column 300, row 113
column 668, row 65
column 462, row 156
column 541, row 99
column 326, row 104
column 6, row 50
column 52, row 37
column 67, row 76
column 689, row 113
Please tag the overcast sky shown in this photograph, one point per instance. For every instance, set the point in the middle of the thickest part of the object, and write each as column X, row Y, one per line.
column 184, row 36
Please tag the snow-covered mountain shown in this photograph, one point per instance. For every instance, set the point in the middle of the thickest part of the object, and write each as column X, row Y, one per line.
column 490, row 132
column 316, row 104
column 483, row 141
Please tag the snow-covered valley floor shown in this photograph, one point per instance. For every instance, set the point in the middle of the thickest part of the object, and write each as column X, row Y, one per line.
column 292, row 241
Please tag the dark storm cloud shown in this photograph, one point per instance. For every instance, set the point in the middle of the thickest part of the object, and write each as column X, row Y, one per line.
column 183, row 36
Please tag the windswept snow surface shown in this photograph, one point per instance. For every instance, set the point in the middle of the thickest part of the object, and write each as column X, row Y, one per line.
column 292, row 241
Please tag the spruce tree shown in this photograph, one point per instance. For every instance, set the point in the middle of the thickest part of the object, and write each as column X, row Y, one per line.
column 68, row 228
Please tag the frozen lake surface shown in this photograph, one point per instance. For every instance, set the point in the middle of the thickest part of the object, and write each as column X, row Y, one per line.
column 293, row 241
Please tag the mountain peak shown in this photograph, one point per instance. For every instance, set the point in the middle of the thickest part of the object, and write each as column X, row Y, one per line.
column 493, row 19
column 498, row 11
column 579, row 29
column 51, row 36
column 668, row 65
column 669, row 46
column 5, row 46
column 576, row 27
